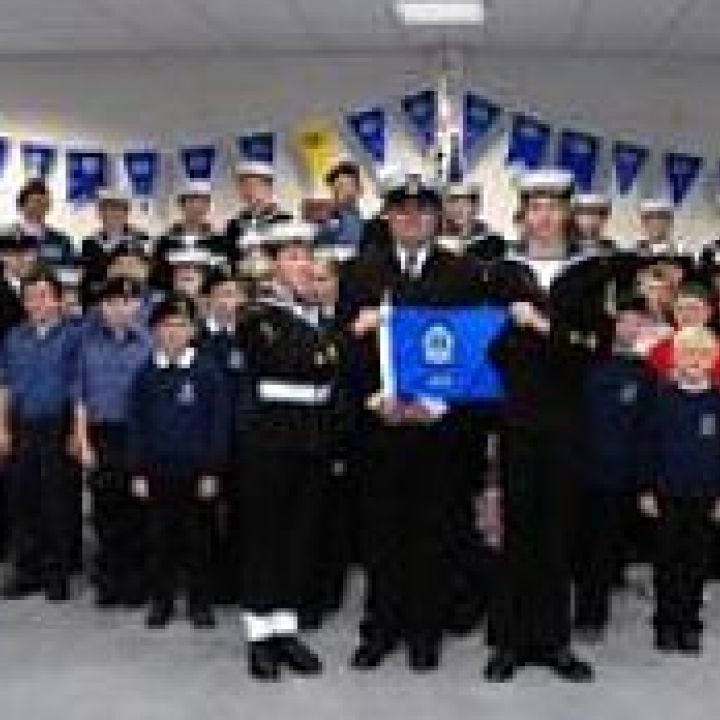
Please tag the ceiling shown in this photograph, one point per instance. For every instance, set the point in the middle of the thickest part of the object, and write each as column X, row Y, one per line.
column 657, row 28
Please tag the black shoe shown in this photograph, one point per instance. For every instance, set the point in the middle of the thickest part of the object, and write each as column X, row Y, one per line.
column 263, row 661
column 159, row 616
column 297, row 656
column 690, row 642
column 590, row 634
column 666, row 639
column 423, row 655
column 106, row 598
column 203, row 618
column 19, row 588
column 569, row 666
column 56, row 590
column 310, row 620
column 371, row 653
column 501, row 666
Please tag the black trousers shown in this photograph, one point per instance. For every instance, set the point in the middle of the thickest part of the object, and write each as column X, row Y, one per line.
column 601, row 549
column 408, row 502
column 335, row 540
column 179, row 536
column 43, row 501
column 282, row 499
column 683, row 541
column 530, row 606
column 117, row 517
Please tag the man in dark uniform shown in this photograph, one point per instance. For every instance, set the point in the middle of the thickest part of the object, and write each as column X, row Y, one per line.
column 113, row 349
column 33, row 203
column 255, row 185
column 295, row 366
column 544, row 358
column 461, row 206
column 115, row 232
column 417, row 455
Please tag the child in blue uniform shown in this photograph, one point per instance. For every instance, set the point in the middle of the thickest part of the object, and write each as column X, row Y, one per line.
column 178, row 431
column 681, row 487
column 616, row 392
column 113, row 350
column 37, row 372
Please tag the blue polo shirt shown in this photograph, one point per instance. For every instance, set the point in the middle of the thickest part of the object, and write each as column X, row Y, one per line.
column 107, row 365
column 38, row 368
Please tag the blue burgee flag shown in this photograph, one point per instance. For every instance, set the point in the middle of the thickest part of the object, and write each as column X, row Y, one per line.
column 257, row 147
column 628, row 161
column 579, row 153
column 87, row 172
column 198, row 161
column 528, row 142
column 681, row 173
column 142, row 168
column 441, row 353
column 369, row 128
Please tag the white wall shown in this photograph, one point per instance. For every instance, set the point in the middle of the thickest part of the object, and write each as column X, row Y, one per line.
column 115, row 103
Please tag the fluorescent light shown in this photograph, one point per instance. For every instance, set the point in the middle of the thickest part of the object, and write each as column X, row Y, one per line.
column 470, row 12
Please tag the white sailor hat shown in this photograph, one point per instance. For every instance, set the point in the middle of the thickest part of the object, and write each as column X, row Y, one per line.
column 195, row 188
column 113, row 195
column 191, row 255
column 337, row 253
column 547, row 181
column 254, row 168
column 591, row 201
column 660, row 205
column 256, row 264
column 291, row 232
column 68, row 276
column 458, row 190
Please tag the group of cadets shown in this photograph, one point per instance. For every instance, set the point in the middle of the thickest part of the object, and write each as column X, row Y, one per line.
column 219, row 396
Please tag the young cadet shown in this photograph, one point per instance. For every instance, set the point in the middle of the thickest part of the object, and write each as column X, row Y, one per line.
column 295, row 365
column 177, row 450
column 134, row 264
column 591, row 212
column 188, row 269
column 115, row 232
column 681, row 487
column 33, row 204
column 693, row 307
column 37, row 372
column 616, row 392
column 344, row 229
column 192, row 230
column 226, row 298
column 113, row 349
column 258, row 211
column 461, row 207
column 19, row 256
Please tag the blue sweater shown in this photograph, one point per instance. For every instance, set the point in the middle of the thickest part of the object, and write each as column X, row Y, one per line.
column 179, row 420
column 616, row 394
column 681, row 445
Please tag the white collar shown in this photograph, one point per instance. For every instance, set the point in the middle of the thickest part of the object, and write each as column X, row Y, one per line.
column 693, row 388
column 185, row 361
column 420, row 258
column 214, row 327
column 14, row 282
